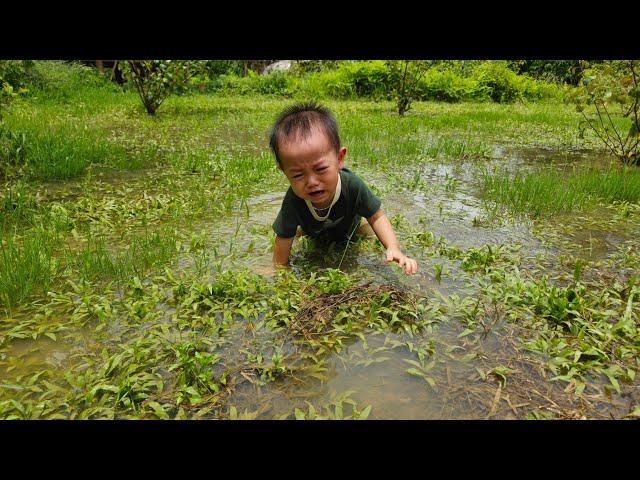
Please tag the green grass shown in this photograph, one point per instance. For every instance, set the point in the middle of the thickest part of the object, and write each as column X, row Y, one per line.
column 18, row 204
column 615, row 184
column 47, row 148
column 544, row 193
column 452, row 148
column 26, row 268
column 96, row 262
column 60, row 155
column 91, row 122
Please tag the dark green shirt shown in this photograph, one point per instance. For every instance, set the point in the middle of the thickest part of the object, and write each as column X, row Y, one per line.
column 356, row 201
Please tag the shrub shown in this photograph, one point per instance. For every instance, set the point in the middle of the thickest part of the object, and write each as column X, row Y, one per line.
column 215, row 68
column 497, row 81
column 58, row 81
column 609, row 102
column 446, row 85
column 274, row 83
column 302, row 67
column 14, row 77
column 368, row 79
column 327, row 83
column 155, row 80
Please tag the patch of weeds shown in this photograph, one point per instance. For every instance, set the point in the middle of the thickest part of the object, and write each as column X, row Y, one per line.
column 194, row 365
column 342, row 407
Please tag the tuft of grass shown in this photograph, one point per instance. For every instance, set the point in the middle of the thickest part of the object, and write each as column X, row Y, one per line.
column 541, row 193
column 450, row 147
column 25, row 268
column 58, row 155
column 536, row 194
column 18, row 204
column 95, row 261
column 620, row 183
column 47, row 152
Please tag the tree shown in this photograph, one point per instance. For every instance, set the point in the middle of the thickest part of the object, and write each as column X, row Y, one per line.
column 610, row 87
column 405, row 75
column 155, row 80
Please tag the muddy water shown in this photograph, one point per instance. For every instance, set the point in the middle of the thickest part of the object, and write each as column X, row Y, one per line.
column 380, row 380
column 373, row 371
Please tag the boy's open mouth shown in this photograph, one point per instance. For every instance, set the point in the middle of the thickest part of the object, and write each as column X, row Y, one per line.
column 316, row 194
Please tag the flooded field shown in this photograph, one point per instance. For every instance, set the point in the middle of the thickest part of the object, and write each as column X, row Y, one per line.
column 506, row 318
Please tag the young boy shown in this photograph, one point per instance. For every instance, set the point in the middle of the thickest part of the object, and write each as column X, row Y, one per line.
column 325, row 199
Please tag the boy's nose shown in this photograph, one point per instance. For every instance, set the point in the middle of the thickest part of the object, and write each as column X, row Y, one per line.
column 312, row 181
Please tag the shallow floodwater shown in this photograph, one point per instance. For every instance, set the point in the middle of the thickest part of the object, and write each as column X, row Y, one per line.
column 372, row 370
column 380, row 379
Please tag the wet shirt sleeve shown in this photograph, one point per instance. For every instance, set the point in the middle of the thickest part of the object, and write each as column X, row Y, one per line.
column 366, row 202
column 286, row 223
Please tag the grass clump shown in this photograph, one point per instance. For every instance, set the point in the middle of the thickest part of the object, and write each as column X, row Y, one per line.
column 26, row 267
column 548, row 193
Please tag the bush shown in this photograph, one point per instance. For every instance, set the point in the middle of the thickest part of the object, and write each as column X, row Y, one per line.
column 609, row 102
column 302, row 67
column 351, row 79
column 214, row 68
column 368, row 79
column 497, row 81
column 446, row 85
column 64, row 81
column 17, row 73
column 537, row 90
column 156, row 80
column 275, row 83
column 449, row 81
column 326, row 84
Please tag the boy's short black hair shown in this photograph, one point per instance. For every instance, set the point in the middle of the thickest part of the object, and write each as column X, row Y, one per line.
column 298, row 119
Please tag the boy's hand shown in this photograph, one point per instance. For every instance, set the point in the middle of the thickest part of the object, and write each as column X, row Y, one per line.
column 409, row 265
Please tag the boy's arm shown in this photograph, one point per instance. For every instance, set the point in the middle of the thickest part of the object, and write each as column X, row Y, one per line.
column 281, row 250
column 384, row 231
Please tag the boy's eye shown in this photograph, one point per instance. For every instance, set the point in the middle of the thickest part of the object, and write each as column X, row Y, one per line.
column 322, row 168
column 296, row 176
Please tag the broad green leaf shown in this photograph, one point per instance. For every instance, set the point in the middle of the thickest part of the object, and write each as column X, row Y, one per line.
column 413, row 362
column 431, row 382
column 364, row 414
column 635, row 412
column 158, row 410
column 467, row 331
column 615, row 383
column 415, row 372
column 468, row 357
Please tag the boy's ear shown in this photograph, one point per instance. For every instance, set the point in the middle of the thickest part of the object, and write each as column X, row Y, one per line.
column 341, row 154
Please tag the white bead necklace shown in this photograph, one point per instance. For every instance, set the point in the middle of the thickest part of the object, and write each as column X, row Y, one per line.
column 313, row 209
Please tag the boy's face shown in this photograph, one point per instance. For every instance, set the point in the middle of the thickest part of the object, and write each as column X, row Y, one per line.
column 312, row 166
